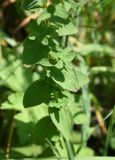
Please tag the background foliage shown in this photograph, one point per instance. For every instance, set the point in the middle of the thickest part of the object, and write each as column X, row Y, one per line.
column 57, row 78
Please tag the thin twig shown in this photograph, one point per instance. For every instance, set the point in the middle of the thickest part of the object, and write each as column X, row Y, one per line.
column 10, row 137
column 98, row 125
column 101, row 122
column 26, row 21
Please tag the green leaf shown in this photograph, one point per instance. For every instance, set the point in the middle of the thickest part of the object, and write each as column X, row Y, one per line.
column 67, row 29
column 27, row 119
column 14, row 102
column 60, row 11
column 44, row 129
column 46, row 14
column 43, row 16
column 73, row 4
column 67, row 6
column 62, row 119
column 32, row 4
column 77, row 4
column 33, row 114
column 82, row 78
column 86, row 152
column 45, row 62
column 63, row 26
column 58, row 58
column 12, row 71
column 52, row 10
column 34, row 51
column 62, row 78
column 37, row 93
column 67, row 55
column 40, row 32
column 28, row 151
column 80, row 118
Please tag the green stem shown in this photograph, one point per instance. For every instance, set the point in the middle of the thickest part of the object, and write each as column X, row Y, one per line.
column 109, row 132
column 70, row 150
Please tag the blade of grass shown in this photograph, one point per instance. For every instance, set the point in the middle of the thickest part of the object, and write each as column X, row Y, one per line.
column 109, row 132
column 70, row 150
column 86, row 108
column 53, row 149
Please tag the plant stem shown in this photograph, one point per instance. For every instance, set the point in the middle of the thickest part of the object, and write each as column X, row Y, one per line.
column 109, row 132
column 10, row 137
column 70, row 150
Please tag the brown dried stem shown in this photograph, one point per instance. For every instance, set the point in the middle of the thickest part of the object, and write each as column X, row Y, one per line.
column 26, row 21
